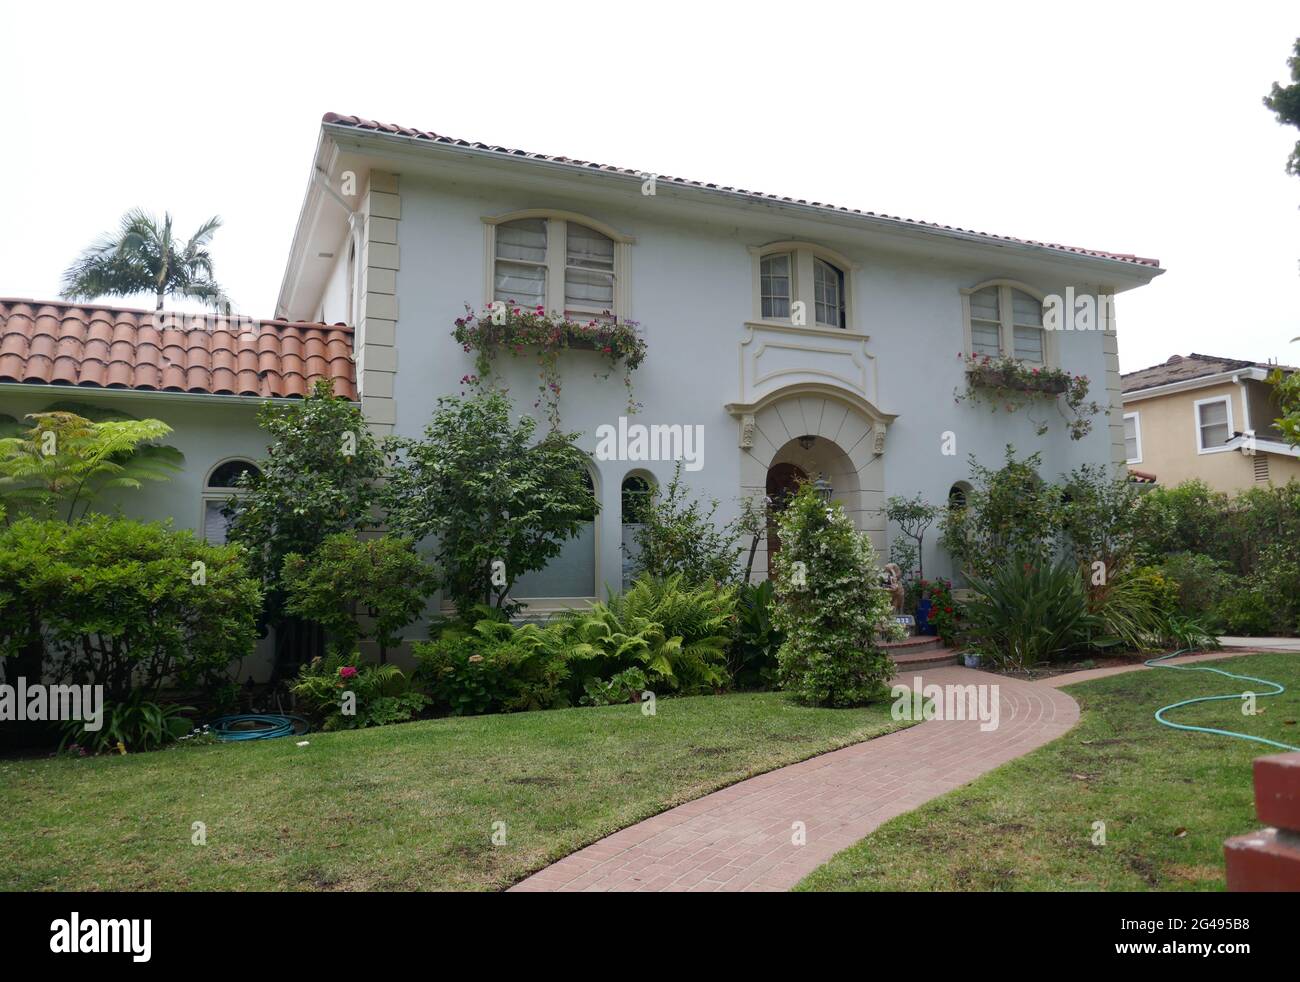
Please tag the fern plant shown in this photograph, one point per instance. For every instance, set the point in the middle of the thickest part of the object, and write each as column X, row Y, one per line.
column 381, row 694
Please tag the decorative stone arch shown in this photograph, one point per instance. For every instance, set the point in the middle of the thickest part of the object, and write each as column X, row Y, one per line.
column 848, row 445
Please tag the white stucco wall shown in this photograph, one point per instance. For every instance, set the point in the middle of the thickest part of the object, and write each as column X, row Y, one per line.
column 692, row 293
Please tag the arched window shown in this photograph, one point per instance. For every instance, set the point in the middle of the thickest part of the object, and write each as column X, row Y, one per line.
column 1004, row 319
column 802, row 284
column 222, row 484
column 572, row 573
column 828, row 290
column 560, row 262
column 958, row 496
column 637, row 493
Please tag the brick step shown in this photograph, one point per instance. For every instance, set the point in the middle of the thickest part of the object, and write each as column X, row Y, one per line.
column 926, row 657
column 921, row 642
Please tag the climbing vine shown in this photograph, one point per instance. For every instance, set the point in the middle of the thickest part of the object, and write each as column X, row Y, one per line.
column 518, row 329
column 1005, row 383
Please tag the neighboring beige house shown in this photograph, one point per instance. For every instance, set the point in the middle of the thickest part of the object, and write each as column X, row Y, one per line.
column 1197, row 416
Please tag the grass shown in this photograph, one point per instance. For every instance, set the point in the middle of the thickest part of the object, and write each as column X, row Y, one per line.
column 397, row 808
column 1168, row 798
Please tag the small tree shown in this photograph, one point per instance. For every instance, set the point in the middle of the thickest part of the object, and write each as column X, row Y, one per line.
column 1284, row 101
column 1286, row 389
column 347, row 577
column 913, row 516
column 496, row 505
column 678, row 535
column 829, row 605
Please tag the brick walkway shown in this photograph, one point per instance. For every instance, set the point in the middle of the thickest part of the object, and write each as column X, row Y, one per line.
column 740, row 838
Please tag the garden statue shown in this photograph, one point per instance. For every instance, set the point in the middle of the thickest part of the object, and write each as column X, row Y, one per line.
column 894, row 584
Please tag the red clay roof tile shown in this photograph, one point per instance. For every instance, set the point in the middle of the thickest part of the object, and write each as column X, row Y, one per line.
column 60, row 344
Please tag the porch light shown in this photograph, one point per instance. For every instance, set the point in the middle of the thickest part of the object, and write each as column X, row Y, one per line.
column 824, row 488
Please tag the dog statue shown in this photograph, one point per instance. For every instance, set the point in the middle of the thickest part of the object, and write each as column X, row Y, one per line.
column 894, row 584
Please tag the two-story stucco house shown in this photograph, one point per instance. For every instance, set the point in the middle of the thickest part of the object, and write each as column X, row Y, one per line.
column 1207, row 418
column 801, row 338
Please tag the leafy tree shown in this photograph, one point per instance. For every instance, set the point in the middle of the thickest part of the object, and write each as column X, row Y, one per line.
column 678, row 535
column 913, row 517
column 144, row 257
column 65, row 460
column 1285, row 102
column 486, row 494
column 347, row 577
column 829, row 606
column 318, row 479
column 1287, row 390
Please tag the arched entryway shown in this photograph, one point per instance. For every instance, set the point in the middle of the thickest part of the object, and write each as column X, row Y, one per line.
column 811, row 432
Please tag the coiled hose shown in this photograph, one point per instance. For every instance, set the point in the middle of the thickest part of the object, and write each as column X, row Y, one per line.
column 256, row 726
column 1277, row 687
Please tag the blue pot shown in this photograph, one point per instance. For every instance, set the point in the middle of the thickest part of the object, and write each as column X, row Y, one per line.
column 923, row 625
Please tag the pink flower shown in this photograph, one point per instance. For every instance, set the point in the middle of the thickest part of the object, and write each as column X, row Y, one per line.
column 347, row 672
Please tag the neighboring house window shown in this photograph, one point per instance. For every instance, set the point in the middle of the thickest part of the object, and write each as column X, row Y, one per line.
column 560, row 262
column 774, row 286
column 1004, row 318
column 1213, row 424
column 637, row 492
column 787, row 274
column 1132, row 438
column 828, row 291
column 221, row 485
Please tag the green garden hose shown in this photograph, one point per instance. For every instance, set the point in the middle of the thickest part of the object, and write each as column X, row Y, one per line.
column 256, row 726
column 1278, row 689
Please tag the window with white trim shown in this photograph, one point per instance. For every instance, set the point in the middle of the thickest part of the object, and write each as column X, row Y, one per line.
column 1004, row 320
column 1132, row 438
column 222, row 484
column 1213, row 424
column 790, row 274
column 546, row 262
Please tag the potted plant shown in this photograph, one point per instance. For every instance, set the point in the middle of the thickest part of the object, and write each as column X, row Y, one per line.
column 971, row 659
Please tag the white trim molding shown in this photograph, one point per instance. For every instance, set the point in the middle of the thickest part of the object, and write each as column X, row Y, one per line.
column 1196, row 422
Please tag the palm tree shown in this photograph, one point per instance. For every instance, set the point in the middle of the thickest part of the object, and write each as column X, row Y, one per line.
column 144, row 258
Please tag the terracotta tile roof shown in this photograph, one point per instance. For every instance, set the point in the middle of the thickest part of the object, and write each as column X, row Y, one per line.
column 357, row 122
column 1185, row 368
column 1140, row 477
column 116, row 348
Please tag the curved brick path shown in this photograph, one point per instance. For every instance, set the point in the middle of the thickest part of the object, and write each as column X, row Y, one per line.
column 739, row 838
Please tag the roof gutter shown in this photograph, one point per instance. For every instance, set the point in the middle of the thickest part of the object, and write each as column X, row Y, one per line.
column 162, row 395
column 1200, row 382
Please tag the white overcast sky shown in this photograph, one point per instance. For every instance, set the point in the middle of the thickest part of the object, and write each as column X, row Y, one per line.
column 1131, row 127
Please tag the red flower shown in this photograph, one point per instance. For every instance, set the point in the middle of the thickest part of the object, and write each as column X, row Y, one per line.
column 347, row 671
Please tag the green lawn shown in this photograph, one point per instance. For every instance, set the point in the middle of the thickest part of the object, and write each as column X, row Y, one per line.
column 1168, row 798
column 403, row 807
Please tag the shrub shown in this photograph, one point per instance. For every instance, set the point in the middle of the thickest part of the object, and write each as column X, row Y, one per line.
column 701, row 617
column 945, row 612
column 125, row 604
column 1029, row 610
column 131, row 726
column 480, row 488
column 1246, row 612
column 346, row 576
column 626, row 686
column 610, row 638
column 381, row 694
column 495, row 667
column 755, row 640
column 828, row 606
column 1202, row 581
column 1135, row 608
column 678, row 535
column 1276, row 577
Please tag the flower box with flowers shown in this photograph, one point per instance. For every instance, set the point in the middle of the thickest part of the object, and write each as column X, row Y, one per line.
column 1007, row 383
column 515, row 328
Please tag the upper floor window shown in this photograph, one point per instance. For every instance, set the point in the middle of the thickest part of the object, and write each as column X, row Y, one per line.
column 802, row 284
column 560, row 263
column 1003, row 319
column 1213, row 424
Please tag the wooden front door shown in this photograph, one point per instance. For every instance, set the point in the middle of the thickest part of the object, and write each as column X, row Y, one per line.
column 783, row 481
